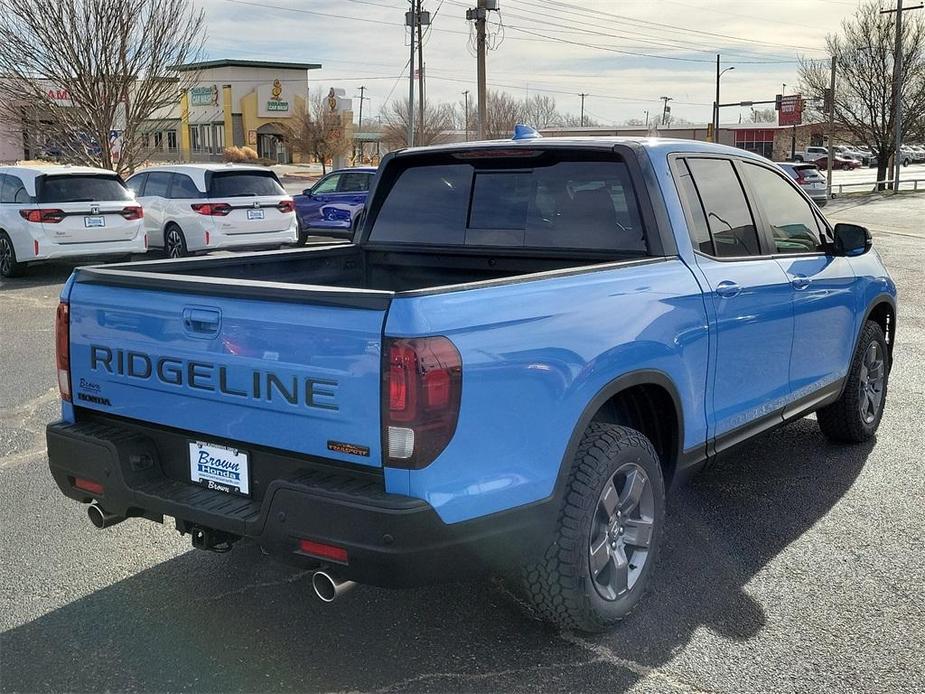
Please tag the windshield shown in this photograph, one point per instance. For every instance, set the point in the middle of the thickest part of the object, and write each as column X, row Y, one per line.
column 82, row 188
column 237, row 184
column 589, row 205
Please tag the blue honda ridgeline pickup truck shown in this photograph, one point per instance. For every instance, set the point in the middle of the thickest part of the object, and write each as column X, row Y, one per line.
column 526, row 343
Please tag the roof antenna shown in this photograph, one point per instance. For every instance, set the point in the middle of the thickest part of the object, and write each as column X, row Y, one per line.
column 525, row 132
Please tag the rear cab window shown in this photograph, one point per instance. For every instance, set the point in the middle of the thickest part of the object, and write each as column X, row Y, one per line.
column 236, row 184
column 80, row 188
column 540, row 199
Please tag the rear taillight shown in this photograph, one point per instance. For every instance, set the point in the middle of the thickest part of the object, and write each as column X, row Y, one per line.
column 133, row 212
column 212, row 209
column 285, row 206
column 42, row 216
column 422, row 385
column 62, row 349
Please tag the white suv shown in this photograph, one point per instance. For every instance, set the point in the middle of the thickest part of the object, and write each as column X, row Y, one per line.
column 202, row 207
column 65, row 211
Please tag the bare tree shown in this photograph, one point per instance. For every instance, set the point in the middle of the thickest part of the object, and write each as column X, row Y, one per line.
column 540, row 112
column 863, row 93
column 763, row 115
column 74, row 71
column 316, row 131
column 438, row 120
column 502, row 113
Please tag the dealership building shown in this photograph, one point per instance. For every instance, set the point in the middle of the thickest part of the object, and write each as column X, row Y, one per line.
column 230, row 102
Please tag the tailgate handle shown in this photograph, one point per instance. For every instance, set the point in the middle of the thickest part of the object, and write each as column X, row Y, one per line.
column 202, row 322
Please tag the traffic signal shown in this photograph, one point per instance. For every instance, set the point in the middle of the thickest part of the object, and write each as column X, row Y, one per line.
column 777, row 99
column 827, row 99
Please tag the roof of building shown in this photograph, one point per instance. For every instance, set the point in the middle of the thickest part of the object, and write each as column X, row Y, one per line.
column 226, row 62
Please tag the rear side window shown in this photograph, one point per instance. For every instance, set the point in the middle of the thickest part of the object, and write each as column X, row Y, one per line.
column 183, row 188
column 728, row 217
column 699, row 229
column 157, row 184
column 81, row 188
column 12, row 190
column 583, row 205
column 236, row 184
column 354, row 182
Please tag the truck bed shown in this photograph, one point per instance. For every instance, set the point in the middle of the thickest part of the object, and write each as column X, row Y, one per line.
column 337, row 267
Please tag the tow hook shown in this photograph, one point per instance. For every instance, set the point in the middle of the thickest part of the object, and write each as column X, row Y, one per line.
column 212, row 540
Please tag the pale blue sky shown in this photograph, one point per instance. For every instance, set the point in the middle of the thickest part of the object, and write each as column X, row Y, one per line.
column 363, row 42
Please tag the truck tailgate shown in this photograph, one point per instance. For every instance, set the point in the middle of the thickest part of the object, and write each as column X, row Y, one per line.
column 288, row 375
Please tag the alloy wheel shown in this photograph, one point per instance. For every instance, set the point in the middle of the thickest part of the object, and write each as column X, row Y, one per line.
column 621, row 532
column 872, row 378
column 174, row 244
column 6, row 256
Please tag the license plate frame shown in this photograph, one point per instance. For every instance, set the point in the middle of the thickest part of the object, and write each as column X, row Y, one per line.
column 253, row 215
column 94, row 222
column 222, row 468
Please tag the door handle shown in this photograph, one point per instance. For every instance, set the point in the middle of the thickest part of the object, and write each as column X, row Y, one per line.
column 728, row 289
column 202, row 322
column 800, row 282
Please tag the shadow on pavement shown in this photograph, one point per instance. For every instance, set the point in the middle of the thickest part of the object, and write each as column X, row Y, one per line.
column 239, row 622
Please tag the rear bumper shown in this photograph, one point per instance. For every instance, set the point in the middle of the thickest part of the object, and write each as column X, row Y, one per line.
column 48, row 250
column 219, row 240
column 391, row 540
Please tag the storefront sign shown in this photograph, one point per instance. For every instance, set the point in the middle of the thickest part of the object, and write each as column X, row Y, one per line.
column 274, row 100
column 791, row 110
column 252, row 137
column 204, row 96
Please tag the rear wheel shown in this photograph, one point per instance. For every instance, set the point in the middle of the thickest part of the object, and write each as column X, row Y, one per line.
column 600, row 561
column 175, row 242
column 855, row 416
column 9, row 267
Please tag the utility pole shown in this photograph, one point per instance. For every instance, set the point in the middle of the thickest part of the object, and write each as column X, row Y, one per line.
column 666, row 109
column 410, row 21
column 716, row 103
column 479, row 15
column 420, row 67
column 647, row 119
column 362, row 98
column 466, row 95
column 897, row 88
column 583, row 95
column 831, row 142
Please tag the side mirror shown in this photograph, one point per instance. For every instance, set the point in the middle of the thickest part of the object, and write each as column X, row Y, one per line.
column 307, row 192
column 852, row 240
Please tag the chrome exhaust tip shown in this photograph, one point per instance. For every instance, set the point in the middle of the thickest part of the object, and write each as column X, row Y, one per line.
column 101, row 518
column 328, row 587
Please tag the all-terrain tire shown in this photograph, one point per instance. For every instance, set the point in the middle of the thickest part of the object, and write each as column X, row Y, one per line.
column 560, row 586
column 844, row 421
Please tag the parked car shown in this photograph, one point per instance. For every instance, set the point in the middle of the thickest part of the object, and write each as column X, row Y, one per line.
column 850, row 152
column 809, row 179
column 65, row 212
column 528, row 343
column 869, row 158
column 812, row 154
column 190, row 208
column 333, row 205
column 918, row 153
column 908, row 155
column 840, row 162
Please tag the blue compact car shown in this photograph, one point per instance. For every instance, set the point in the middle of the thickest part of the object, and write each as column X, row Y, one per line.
column 332, row 206
column 526, row 346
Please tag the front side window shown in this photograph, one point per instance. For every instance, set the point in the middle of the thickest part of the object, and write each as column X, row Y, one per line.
column 326, row 185
column 728, row 216
column 793, row 224
column 81, row 188
column 136, row 184
column 583, row 205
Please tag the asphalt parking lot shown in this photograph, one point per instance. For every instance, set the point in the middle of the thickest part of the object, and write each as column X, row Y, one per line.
column 795, row 565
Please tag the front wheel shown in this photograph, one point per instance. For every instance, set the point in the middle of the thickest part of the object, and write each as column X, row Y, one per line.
column 855, row 416
column 599, row 563
column 9, row 266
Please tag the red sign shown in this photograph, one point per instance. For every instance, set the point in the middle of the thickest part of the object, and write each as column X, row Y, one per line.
column 791, row 110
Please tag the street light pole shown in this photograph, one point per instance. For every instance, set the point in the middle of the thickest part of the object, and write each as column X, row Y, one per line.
column 717, row 102
column 582, row 121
